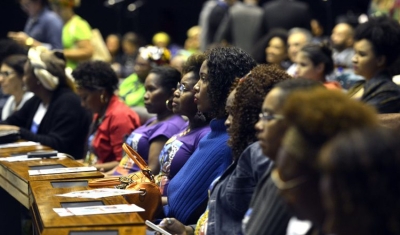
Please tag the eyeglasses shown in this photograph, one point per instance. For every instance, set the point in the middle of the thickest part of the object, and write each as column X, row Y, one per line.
column 268, row 117
column 6, row 73
column 285, row 185
column 182, row 88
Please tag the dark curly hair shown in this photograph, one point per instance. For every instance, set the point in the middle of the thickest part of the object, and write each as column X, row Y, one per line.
column 384, row 35
column 169, row 77
column 95, row 75
column 250, row 94
column 364, row 166
column 318, row 115
column 193, row 64
column 224, row 65
column 319, row 53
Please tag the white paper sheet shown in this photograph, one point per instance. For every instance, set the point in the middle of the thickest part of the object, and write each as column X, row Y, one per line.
column 98, row 210
column 19, row 144
column 98, row 193
column 61, row 170
column 22, row 158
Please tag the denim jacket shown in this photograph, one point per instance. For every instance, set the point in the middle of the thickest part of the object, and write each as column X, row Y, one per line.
column 230, row 197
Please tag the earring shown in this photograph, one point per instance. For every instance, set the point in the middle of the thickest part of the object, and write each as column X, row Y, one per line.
column 200, row 116
column 102, row 98
column 168, row 104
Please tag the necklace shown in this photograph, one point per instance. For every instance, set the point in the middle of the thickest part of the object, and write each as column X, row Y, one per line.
column 185, row 132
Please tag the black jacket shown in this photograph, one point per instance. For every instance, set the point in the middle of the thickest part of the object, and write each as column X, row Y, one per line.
column 64, row 127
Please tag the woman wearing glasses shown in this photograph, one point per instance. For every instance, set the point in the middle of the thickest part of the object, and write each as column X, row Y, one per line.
column 11, row 73
column 296, row 175
column 180, row 147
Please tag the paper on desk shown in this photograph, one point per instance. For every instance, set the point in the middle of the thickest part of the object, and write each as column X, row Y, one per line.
column 62, row 170
column 98, row 210
column 99, row 193
column 19, row 144
column 22, row 158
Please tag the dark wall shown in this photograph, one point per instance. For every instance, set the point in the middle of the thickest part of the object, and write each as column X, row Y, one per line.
column 172, row 16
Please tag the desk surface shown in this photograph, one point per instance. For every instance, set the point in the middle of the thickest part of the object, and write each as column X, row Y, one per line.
column 46, row 219
column 6, row 152
column 14, row 176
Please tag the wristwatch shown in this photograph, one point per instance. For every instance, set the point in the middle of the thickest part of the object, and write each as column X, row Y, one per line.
column 29, row 42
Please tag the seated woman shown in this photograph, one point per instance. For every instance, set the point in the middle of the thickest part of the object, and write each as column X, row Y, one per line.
column 377, row 47
column 187, row 191
column 112, row 120
column 360, row 182
column 149, row 139
column 131, row 90
column 180, row 147
column 273, row 49
column 11, row 73
column 315, row 62
column 54, row 116
column 327, row 114
column 231, row 193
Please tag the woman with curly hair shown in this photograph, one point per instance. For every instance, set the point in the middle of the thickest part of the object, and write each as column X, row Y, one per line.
column 112, row 121
column 327, row 114
column 377, row 50
column 360, row 182
column 231, row 193
column 187, row 191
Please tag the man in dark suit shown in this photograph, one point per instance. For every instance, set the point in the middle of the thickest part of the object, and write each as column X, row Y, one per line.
column 286, row 14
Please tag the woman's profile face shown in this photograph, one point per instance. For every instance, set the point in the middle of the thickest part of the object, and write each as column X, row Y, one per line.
column 276, row 51
column 90, row 99
column 364, row 60
column 201, row 97
column 306, row 69
column 155, row 95
column 9, row 80
column 183, row 101
column 229, row 107
column 142, row 68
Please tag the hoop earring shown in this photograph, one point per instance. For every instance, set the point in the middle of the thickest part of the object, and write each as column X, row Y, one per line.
column 200, row 116
column 103, row 99
column 168, row 104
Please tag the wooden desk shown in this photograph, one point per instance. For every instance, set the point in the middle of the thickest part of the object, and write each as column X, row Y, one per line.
column 47, row 221
column 14, row 176
column 6, row 152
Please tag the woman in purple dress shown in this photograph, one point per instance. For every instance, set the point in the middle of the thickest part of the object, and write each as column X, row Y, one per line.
column 149, row 139
column 180, row 147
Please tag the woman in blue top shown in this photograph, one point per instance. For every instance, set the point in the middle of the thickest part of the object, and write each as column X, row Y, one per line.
column 180, row 147
column 149, row 139
column 187, row 191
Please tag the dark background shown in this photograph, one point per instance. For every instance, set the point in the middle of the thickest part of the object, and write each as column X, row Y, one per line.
column 172, row 16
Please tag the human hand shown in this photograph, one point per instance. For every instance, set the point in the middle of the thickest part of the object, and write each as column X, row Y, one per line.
column 9, row 128
column 172, row 226
column 19, row 37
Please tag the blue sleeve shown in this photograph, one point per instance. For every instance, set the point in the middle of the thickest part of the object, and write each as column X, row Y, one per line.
column 54, row 26
column 187, row 191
